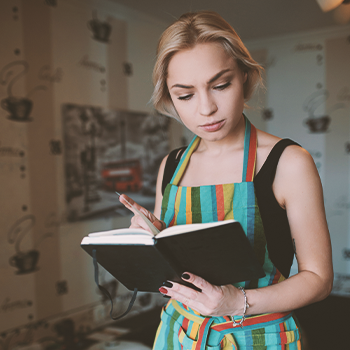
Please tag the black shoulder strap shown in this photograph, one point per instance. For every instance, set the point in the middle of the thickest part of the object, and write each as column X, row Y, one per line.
column 171, row 164
column 268, row 170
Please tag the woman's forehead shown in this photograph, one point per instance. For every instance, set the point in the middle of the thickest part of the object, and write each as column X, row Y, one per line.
column 202, row 62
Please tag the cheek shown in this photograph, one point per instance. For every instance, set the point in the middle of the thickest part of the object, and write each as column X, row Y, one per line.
column 183, row 108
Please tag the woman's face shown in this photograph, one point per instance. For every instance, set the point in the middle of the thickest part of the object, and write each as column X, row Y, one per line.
column 206, row 87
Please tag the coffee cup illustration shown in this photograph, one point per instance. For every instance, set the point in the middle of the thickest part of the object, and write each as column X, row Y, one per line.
column 25, row 262
column 101, row 30
column 18, row 107
column 318, row 124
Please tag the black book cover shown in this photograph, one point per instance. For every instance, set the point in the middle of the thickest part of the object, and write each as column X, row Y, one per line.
column 221, row 255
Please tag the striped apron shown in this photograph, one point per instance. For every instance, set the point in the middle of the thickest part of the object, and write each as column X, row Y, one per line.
column 182, row 328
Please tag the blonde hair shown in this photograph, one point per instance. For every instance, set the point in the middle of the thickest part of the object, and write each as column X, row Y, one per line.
column 199, row 28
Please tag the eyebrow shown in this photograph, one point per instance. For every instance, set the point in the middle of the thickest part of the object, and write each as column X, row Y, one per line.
column 215, row 77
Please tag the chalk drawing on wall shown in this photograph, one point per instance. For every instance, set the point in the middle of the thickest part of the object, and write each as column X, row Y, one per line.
column 311, row 47
column 22, row 168
column 316, row 155
column 61, row 287
column 52, row 3
column 267, row 114
column 267, row 62
column 346, row 253
column 10, row 151
column 19, row 108
column 127, row 69
column 103, row 85
column 24, row 261
column 308, row 47
column 9, row 305
column 107, row 151
column 46, row 74
column 341, row 284
column 87, row 63
column 55, row 147
column 15, row 13
column 319, row 59
column 101, row 30
column 347, row 147
column 318, row 123
column 339, row 207
column 344, row 94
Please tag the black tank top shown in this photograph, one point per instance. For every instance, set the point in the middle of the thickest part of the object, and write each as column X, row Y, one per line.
column 274, row 218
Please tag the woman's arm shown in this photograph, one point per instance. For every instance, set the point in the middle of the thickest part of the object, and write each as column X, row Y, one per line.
column 297, row 187
column 159, row 195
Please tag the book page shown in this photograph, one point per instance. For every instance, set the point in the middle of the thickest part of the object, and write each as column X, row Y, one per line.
column 122, row 231
column 119, row 239
column 178, row 229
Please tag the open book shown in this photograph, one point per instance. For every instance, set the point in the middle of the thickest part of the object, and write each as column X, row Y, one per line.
column 219, row 252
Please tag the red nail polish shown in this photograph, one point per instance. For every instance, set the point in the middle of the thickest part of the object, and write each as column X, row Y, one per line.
column 163, row 290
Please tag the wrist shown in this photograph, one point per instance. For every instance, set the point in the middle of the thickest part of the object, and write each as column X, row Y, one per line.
column 243, row 309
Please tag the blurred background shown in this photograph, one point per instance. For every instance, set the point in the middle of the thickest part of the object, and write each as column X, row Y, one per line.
column 76, row 125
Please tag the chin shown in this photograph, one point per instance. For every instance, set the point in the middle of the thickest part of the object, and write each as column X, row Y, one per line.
column 212, row 137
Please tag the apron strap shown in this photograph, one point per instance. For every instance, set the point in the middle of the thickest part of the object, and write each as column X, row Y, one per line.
column 184, row 161
column 250, row 148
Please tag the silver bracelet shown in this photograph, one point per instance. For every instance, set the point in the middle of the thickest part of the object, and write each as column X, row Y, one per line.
column 246, row 305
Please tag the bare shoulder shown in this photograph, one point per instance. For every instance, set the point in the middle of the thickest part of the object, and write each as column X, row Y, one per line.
column 292, row 158
column 296, row 160
column 266, row 140
column 265, row 144
column 296, row 177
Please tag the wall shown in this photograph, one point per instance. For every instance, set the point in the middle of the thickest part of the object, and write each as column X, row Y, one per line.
column 54, row 52
column 308, row 100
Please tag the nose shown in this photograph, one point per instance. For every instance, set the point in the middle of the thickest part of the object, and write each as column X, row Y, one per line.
column 207, row 104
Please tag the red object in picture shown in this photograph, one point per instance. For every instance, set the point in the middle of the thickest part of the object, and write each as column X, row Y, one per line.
column 122, row 176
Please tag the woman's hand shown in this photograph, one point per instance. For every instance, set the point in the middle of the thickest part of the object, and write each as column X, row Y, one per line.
column 137, row 221
column 211, row 301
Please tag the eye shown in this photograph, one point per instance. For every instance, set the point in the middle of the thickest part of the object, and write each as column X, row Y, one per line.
column 222, row 87
column 185, row 97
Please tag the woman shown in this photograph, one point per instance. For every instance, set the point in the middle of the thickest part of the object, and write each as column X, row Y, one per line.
column 203, row 76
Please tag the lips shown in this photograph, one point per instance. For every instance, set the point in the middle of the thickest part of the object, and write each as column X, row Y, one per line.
column 211, row 127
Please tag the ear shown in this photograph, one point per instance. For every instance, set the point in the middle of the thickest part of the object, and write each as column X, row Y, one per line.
column 245, row 77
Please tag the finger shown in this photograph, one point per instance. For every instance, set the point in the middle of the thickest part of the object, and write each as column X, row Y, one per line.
column 159, row 224
column 124, row 199
column 187, row 296
column 138, row 222
column 206, row 287
column 136, row 208
column 180, row 292
column 129, row 203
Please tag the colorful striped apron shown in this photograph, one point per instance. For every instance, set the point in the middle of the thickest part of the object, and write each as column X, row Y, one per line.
column 182, row 328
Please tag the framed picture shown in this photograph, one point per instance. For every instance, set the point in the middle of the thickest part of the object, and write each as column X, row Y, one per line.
column 107, row 151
